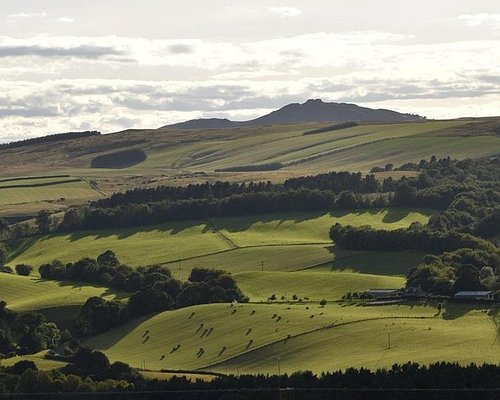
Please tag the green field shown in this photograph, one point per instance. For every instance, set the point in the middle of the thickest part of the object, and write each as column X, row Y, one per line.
column 313, row 285
column 251, row 338
column 26, row 293
column 234, row 244
column 50, row 193
column 41, row 362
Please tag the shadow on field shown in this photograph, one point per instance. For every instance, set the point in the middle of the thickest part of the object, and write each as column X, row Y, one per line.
column 119, row 295
column 240, row 223
column 395, row 215
column 123, row 233
column 108, row 339
column 388, row 263
column 457, row 310
column 243, row 223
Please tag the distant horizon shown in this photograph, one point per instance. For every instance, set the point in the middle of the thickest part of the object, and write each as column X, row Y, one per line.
column 228, row 118
column 111, row 66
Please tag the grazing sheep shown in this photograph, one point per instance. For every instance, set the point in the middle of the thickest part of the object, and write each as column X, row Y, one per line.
column 222, row 351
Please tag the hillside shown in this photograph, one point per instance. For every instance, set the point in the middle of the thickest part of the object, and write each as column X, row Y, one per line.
column 26, row 293
column 177, row 156
column 237, row 244
column 313, row 110
column 250, row 338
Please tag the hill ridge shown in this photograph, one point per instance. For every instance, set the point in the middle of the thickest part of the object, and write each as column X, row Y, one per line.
column 313, row 110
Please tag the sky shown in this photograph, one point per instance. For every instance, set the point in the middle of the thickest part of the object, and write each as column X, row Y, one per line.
column 109, row 65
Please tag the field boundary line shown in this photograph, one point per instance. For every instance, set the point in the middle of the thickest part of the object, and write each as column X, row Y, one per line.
column 35, row 185
column 240, row 248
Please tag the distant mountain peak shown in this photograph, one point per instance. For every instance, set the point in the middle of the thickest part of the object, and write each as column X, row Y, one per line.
column 313, row 110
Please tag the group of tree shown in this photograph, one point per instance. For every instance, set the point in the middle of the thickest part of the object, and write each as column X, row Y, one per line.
column 462, row 240
column 414, row 238
column 462, row 269
column 26, row 333
column 154, row 289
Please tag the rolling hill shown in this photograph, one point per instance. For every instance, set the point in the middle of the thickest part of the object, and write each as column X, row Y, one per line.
column 169, row 156
column 313, row 110
column 249, row 338
column 237, row 244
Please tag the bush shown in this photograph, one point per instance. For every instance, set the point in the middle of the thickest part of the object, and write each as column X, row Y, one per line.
column 24, row 269
column 3, row 253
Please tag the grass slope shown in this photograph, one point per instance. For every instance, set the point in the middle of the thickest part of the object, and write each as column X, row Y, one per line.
column 184, row 241
column 27, row 293
column 469, row 338
column 44, row 193
column 240, row 339
column 313, row 285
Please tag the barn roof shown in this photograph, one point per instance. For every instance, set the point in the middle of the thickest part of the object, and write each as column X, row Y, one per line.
column 474, row 293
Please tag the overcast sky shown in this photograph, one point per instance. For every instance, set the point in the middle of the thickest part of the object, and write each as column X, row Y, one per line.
column 69, row 65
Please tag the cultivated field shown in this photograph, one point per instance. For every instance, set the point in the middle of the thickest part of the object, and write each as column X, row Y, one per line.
column 250, row 337
column 27, row 196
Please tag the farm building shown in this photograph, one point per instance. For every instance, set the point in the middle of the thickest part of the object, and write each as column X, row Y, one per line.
column 474, row 295
column 413, row 291
column 383, row 293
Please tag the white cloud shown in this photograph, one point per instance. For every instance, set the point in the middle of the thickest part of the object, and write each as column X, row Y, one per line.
column 286, row 11
column 66, row 20
column 28, row 15
column 166, row 81
column 481, row 19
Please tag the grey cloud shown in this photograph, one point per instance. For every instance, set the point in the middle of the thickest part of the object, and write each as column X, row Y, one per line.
column 83, row 51
column 29, row 112
column 180, row 49
column 489, row 78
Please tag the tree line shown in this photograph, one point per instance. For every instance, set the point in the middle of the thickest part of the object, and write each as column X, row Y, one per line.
column 415, row 238
column 90, row 371
column 48, row 139
column 333, row 181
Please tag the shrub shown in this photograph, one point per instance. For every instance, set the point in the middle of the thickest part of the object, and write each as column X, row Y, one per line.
column 24, row 269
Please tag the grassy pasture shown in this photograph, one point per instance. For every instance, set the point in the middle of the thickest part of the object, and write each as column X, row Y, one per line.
column 466, row 339
column 185, row 244
column 27, row 293
column 400, row 150
column 25, row 196
column 313, row 285
column 250, row 337
column 41, row 362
